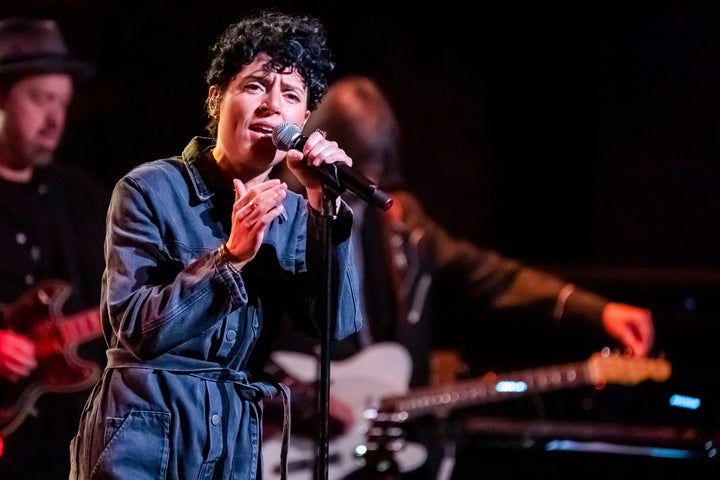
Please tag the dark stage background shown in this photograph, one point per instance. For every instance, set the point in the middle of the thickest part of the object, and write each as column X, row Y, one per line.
column 580, row 137
column 574, row 134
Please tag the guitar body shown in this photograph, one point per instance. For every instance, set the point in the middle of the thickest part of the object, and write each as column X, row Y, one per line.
column 379, row 370
column 37, row 314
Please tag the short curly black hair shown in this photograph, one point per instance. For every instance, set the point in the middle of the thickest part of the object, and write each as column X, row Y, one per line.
column 292, row 41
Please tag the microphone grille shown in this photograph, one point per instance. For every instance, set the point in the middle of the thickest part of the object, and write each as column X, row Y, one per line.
column 285, row 135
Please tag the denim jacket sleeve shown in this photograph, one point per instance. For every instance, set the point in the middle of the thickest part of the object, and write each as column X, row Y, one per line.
column 166, row 287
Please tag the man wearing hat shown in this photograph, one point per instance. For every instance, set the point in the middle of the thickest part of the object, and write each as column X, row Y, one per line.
column 52, row 220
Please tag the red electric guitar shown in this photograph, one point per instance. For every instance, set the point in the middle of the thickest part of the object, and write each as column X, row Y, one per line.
column 37, row 314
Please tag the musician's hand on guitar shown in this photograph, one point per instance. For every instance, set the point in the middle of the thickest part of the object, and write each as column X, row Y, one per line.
column 305, row 416
column 341, row 413
column 17, row 356
column 631, row 326
column 306, row 421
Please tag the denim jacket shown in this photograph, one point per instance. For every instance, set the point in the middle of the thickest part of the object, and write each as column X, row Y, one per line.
column 187, row 334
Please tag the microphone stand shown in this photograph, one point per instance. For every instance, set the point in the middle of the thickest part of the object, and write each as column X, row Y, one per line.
column 331, row 192
column 327, row 214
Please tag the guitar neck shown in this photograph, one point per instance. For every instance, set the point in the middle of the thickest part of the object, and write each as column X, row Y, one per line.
column 491, row 388
column 80, row 327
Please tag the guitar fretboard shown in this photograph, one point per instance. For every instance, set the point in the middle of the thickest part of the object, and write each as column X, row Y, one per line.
column 492, row 388
column 80, row 327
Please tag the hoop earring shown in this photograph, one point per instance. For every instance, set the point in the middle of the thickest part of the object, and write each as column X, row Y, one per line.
column 213, row 106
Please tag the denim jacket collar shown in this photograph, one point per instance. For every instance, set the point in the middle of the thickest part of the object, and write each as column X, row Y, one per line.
column 205, row 175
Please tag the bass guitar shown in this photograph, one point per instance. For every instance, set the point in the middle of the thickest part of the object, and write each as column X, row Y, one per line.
column 374, row 383
column 37, row 314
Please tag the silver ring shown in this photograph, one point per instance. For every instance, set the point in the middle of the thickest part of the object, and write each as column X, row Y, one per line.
column 252, row 205
column 322, row 132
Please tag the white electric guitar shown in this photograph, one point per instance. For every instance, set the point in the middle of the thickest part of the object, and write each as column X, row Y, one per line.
column 374, row 383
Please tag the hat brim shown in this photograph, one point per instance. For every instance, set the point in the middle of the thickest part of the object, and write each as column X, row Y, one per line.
column 78, row 69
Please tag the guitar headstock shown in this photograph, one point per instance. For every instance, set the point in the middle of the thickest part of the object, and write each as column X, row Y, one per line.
column 627, row 370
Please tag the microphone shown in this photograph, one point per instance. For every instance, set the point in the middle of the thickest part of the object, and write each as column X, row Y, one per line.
column 338, row 177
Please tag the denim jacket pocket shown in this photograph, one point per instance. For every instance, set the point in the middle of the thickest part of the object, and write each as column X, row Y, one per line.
column 136, row 446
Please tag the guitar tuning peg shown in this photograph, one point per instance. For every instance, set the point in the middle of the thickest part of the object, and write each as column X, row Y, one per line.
column 615, row 352
column 608, row 352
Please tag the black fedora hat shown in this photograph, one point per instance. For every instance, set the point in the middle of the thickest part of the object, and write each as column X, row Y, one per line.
column 30, row 46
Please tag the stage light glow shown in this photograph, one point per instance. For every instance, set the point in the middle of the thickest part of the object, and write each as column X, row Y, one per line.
column 508, row 386
column 684, row 401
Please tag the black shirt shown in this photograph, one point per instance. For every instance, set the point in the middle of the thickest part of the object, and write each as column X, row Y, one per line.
column 53, row 227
